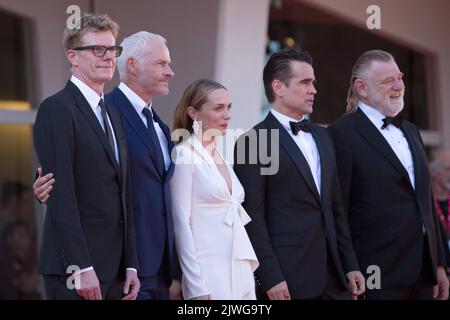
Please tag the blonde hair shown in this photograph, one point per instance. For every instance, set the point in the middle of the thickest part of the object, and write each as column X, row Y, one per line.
column 89, row 22
column 361, row 65
column 195, row 95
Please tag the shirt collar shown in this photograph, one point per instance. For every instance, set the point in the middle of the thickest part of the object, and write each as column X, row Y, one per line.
column 375, row 116
column 284, row 120
column 134, row 99
column 90, row 95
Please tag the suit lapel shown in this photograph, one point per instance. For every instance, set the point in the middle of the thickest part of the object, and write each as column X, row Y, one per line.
column 118, row 130
column 415, row 148
column 320, row 140
column 201, row 151
column 220, row 181
column 165, row 129
column 116, row 123
column 132, row 117
column 86, row 110
column 294, row 152
column 371, row 134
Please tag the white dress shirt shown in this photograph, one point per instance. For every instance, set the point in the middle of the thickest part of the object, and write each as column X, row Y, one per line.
column 307, row 145
column 139, row 105
column 93, row 99
column 394, row 136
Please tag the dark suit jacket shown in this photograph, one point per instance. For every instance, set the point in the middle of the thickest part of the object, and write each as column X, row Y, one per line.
column 291, row 224
column 88, row 221
column 386, row 213
column 151, row 192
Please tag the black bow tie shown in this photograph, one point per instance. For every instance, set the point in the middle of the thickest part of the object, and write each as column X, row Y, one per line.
column 396, row 121
column 303, row 125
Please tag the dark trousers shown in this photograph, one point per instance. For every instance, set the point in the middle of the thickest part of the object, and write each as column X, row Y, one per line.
column 333, row 289
column 421, row 290
column 156, row 287
column 56, row 288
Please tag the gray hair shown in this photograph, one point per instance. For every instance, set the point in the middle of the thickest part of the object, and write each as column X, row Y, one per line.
column 133, row 47
column 360, row 67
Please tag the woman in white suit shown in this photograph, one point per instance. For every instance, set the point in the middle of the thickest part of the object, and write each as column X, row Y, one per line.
column 216, row 256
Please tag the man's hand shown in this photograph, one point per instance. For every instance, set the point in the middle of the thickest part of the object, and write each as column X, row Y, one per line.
column 43, row 185
column 356, row 284
column 175, row 290
column 279, row 292
column 131, row 286
column 89, row 286
column 440, row 291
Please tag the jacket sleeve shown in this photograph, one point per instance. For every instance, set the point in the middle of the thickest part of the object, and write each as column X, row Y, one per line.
column 269, row 272
column 181, row 187
column 131, row 254
column 340, row 213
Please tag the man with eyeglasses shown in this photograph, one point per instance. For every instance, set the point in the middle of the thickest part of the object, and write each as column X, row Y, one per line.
column 145, row 72
column 100, row 51
column 88, row 248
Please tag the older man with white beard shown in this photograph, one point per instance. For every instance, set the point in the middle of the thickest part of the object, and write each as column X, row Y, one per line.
column 386, row 186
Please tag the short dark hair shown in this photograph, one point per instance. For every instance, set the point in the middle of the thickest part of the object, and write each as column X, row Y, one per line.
column 278, row 67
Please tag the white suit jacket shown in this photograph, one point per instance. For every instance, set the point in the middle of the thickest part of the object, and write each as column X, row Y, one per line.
column 215, row 252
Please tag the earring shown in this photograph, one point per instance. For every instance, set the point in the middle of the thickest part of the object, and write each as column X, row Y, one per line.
column 196, row 126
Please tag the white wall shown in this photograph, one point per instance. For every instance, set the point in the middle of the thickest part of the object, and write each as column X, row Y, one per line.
column 240, row 53
column 240, row 56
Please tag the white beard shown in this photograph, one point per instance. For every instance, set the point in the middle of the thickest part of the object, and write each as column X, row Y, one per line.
column 384, row 105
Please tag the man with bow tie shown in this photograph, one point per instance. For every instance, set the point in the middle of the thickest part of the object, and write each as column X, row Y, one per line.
column 386, row 185
column 299, row 229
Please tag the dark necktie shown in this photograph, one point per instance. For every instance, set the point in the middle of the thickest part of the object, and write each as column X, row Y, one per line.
column 303, row 125
column 107, row 125
column 396, row 121
column 151, row 128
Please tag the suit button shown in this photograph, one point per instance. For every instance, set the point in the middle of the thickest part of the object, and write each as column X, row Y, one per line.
column 120, row 221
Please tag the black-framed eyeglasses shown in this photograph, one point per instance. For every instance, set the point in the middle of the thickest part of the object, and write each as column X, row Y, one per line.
column 100, row 51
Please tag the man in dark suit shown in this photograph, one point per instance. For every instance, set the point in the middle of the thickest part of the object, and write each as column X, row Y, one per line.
column 145, row 71
column 89, row 225
column 299, row 229
column 386, row 185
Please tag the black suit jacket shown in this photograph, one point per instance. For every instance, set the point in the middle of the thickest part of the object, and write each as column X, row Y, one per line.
column 89, row 221
column 291, row 223
column 386, row 213
column 151, row 196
